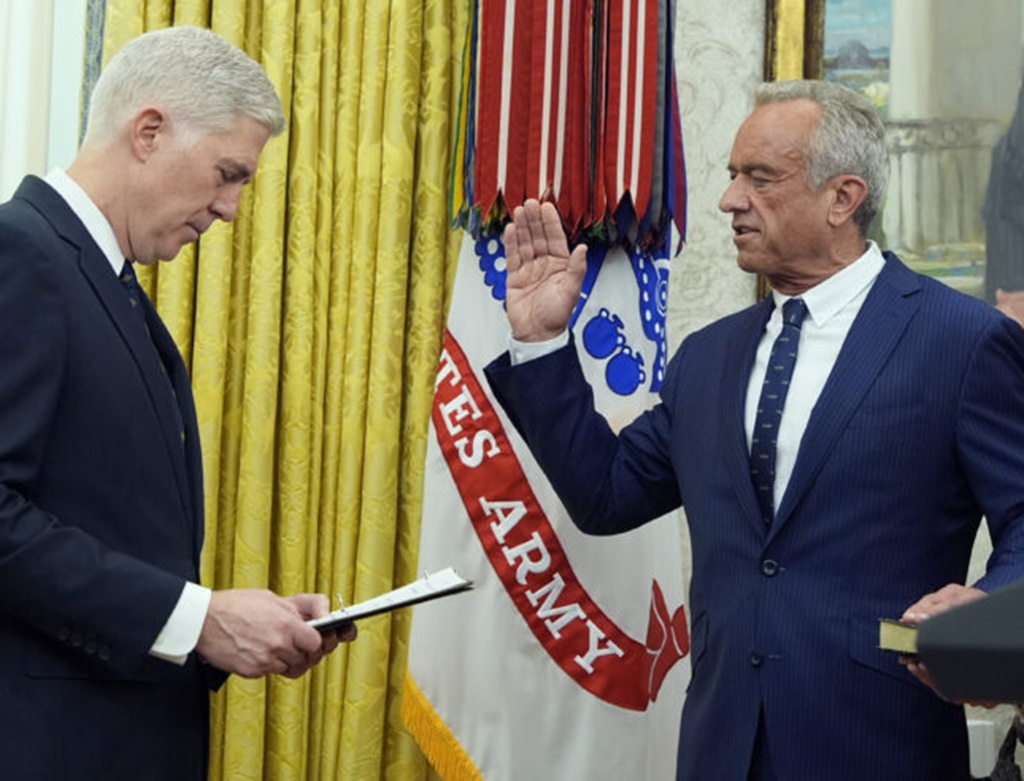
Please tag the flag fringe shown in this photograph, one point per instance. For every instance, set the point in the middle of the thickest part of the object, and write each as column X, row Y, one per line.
column 442, row 749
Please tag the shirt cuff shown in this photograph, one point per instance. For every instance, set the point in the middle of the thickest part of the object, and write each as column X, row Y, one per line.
column 180, row 634
column 521, row 352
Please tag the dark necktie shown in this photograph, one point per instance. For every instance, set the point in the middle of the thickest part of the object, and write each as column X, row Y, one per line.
column 131, row 286
column 771, row 403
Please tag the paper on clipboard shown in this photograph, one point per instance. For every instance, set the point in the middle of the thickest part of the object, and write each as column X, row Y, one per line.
column 430, row 586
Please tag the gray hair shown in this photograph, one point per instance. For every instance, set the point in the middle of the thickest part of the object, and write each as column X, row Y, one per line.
column 204, row 83
column 848, row 139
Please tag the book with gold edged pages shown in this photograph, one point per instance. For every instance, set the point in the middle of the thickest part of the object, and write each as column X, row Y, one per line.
column 898, row 636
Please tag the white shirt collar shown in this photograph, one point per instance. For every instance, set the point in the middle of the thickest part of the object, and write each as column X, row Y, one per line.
column 90, row 215
column 831, row 295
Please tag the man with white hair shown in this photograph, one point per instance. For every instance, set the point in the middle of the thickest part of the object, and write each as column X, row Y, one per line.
column 108, row 644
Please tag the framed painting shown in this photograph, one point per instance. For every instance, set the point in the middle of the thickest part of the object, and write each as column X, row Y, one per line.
column 946, row 81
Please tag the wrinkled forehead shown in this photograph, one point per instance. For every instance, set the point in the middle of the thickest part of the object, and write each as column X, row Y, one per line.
column 791, row 119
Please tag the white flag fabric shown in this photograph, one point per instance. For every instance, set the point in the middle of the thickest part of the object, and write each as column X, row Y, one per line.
column 569, row 658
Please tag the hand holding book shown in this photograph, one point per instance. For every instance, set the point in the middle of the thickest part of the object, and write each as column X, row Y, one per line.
column 913, row 637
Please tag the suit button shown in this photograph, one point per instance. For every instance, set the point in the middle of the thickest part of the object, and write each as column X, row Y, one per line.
column 76, row 640
column 755, row 659
column 769, row 568
column 64, row 634
column 90, row 647
column 104, row 654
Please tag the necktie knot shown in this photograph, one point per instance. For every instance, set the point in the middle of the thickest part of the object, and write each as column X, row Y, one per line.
column 794, row 311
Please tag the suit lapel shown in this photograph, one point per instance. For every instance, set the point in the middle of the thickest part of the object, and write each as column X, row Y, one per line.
column 108, row 289
column 182, row 385
column 876, row 331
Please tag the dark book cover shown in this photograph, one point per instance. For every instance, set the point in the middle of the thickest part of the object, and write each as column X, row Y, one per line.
column 976, row 651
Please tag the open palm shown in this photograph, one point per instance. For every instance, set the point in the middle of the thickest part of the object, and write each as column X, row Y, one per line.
column 544, row 278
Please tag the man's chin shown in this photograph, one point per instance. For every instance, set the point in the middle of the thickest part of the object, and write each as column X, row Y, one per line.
column 166, row 255
column 748, row 263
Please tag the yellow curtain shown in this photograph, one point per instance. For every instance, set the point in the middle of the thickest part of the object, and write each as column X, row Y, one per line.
column 311, row 326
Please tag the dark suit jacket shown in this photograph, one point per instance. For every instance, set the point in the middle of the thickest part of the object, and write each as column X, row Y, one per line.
column 918, row 432
column 101, row 514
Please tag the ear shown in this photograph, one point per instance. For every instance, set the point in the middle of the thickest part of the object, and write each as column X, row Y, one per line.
column 146, row 130
column 848, row 193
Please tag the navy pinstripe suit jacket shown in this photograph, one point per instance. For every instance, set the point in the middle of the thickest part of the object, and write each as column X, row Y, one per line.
column 918, row 434
column 101, row 514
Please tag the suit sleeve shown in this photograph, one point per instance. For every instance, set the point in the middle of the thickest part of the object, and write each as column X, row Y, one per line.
column 608, row 483
column 990, row 435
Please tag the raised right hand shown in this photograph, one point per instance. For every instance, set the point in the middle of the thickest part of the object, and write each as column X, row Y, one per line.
column 544, row 279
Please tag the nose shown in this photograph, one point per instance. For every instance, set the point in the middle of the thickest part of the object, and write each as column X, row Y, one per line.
column 733, row 199
column 225, row 206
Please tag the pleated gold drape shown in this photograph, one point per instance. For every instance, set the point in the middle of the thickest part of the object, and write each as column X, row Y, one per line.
column 311, row 327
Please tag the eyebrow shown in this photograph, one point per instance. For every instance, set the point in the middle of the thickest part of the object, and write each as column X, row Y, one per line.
column 752, row 167
column 235, row 170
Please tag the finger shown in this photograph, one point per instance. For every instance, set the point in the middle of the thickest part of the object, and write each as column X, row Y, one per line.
column 348, row 633
column 311, row 605
column 578, row 261
column 316, row 605
column 524, row 234
column 536, row 237
column 344, row 633
column 510, row 237
column 307, row 641
column 554, row 235
column 297, row 664
column 331, row 641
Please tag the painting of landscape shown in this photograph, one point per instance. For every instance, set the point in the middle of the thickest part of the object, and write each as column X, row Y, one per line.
column 858, row 39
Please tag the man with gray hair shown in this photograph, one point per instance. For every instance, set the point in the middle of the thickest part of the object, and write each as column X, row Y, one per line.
column 108, row 644
column 834, row 448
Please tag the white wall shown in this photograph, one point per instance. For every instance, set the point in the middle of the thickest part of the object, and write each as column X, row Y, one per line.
column 41, row 49
column 66, row 80
column 720, row 57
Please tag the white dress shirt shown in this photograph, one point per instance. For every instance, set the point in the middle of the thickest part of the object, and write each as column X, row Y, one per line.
column 832, row 306
column 180, row 634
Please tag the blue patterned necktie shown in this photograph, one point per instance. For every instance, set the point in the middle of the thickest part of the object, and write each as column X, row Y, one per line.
column 771, row 403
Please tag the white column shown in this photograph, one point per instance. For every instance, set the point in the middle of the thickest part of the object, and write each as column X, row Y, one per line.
column 66, row 81
column 955, row 70
column 953, row 59
column 24, row 89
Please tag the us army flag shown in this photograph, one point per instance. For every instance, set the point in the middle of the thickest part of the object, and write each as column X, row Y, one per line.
column 568, row 659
